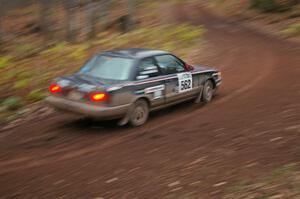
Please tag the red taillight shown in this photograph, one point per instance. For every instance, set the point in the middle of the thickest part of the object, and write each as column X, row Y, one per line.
column 54, row 88
column 98, row 97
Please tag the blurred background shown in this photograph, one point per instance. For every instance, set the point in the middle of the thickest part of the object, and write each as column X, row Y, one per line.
column 44, row 39
column 244, row 145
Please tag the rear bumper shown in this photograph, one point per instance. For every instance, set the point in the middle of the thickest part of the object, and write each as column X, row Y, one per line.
column 91, row 110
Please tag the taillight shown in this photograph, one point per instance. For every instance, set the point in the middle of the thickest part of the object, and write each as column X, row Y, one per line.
column 54, row 88
column 98, row 96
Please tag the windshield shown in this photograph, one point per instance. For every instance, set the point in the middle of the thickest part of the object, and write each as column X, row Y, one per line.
column 106, row 67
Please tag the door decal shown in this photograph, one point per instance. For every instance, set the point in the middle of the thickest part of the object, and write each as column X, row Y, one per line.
column 185, row 82
column 156, row 90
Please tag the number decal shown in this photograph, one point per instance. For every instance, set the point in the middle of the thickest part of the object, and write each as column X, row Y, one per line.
column 185, row 82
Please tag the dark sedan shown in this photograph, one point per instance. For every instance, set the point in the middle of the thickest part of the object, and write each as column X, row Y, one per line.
column 127, row 84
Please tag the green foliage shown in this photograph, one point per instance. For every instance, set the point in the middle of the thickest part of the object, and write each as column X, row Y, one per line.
column 170, row 38
column 8, row 76
column 292, row 31
column 4, row 62
column 12, row 103
column 69, row 51
column 23, row 48
column 59, row 48
column 36, row 95
column 78, row 51
column 283, row 180
column 20, row 84
column 271, row 5
column 295, row 12
column 282, row 172
column 64, row 58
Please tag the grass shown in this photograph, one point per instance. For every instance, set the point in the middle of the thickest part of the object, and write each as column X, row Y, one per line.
column 21, row 84
column 233, row 7
column 272, row 5
column 25, row 79
column 292, row 30
column 12, row 103
column 283, row 182
column 27, row 66
column 178, row 38
column 4, row 62
column 295, row 12
column 36, row 95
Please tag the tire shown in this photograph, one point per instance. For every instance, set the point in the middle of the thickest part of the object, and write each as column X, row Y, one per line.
column 139, row 113
column 208, row 91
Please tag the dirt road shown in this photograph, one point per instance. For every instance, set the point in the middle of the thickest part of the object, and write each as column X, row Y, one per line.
column 187, row 151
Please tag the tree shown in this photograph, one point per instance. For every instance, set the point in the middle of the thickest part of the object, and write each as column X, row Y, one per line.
column 131, row 7
column 2, row 12
column 92, row 8
column 44, row 19
column 71, row 7
column 105, row 6
column 97, row 11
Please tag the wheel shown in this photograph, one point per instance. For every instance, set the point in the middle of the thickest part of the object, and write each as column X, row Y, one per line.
column 208, row 91
column 139, row 113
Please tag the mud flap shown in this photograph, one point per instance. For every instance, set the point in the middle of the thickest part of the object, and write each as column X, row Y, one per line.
column 199, row 97
column 123, row 121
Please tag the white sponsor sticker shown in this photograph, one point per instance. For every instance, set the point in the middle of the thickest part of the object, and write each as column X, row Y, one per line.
column 63, row 83
column 86, row 87
column 157, row 94
column 185, row 82
column 156, row 90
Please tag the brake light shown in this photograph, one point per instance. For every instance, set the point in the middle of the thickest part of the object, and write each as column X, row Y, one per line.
column 54, row 88
column 98, row 97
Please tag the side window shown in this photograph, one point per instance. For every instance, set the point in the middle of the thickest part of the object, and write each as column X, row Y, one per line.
column 147, row 69
column 169, row 64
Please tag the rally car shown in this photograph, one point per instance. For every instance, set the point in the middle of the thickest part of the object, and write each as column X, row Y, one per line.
column 127, row 84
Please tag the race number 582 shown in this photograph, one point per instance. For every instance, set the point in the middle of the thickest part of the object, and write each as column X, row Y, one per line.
column 185, row 82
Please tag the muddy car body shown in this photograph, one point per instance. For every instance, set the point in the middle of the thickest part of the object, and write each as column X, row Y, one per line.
column 129, row 83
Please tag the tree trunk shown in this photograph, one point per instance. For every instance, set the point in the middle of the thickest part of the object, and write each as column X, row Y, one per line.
column 105, row 7
column 92, row 7
column 2, row 13
column 71, row 8
column 97, row 12
column 44, row 17
column 131, row 7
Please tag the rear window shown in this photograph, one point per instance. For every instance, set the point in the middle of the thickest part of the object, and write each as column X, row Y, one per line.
column 108, row 67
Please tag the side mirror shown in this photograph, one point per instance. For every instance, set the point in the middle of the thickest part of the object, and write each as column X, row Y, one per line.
column 188, row 67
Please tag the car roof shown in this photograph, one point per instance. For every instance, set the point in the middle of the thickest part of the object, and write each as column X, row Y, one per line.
column 136, row 53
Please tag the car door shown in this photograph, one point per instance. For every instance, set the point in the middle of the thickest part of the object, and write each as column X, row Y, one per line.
column 150, row 82
column 178, row 81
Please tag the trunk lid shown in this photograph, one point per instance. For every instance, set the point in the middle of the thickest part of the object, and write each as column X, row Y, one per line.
column 78, row 87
